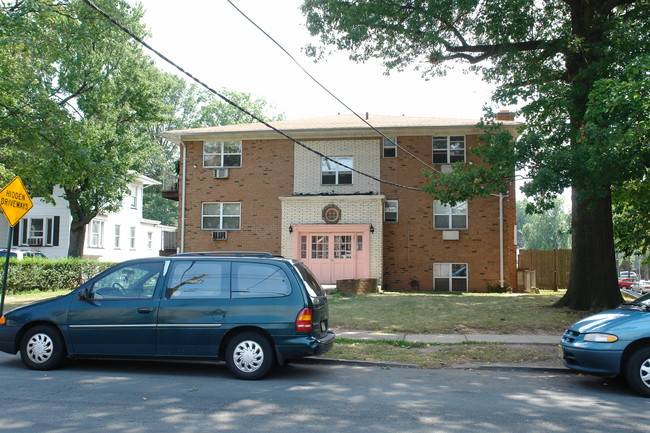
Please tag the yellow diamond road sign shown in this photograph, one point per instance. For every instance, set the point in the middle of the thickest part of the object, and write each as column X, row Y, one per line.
column 14, row 201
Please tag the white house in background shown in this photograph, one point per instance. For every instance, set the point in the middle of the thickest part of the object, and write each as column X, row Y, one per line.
column 112, row 237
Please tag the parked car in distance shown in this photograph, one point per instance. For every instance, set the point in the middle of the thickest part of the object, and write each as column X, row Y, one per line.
column 613, row 343
column 641, row 286
column 627, row 283
column 627, row 274
column 21, row 254
column 252, row 310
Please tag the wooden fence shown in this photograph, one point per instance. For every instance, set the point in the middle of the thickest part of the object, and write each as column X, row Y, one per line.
column 551, row 267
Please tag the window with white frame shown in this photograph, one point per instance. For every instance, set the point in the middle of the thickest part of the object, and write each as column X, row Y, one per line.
column 133, row 198
column 221, row 216
column 116, row 241
column 390, row 211
column 337, row 170
column 96, row 234
column 132, row 238
column 149, row 240
column 220, row 154
column 37, row 231
column 450, row 277
column 390, row 147
column 447, row 150
column 448, row 217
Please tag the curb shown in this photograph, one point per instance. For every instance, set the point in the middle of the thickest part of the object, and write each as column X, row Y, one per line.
column 337, row 361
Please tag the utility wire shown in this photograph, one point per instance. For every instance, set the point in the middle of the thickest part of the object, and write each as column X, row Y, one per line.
column 224, row 98
column 328, row 91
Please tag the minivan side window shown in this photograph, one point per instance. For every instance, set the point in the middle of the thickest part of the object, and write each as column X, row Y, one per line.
column 133, row 281
column 258, row 280
column 198, row 279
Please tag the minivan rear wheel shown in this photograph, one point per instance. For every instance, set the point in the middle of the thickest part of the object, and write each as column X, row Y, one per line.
column 249, row 355
column 42, row 348
column 637, row 371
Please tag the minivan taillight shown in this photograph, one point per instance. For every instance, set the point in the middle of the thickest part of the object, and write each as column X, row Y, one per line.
column 303, row 321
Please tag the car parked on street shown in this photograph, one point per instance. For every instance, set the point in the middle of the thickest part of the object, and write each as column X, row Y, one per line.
column 613, row 343
column 22, row 254
column 641, row 286
column 627, row 283
column 252, row 310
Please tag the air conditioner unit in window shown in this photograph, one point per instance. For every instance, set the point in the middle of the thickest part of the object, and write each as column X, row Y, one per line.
column 221, row 235
column 220, row 173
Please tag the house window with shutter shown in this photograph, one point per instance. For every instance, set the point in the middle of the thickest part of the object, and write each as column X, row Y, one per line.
column 37, row 232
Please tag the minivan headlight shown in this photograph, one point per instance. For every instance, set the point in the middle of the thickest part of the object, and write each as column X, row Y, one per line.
column 601, row 338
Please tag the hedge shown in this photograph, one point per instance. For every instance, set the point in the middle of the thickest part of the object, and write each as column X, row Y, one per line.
column 46, row 274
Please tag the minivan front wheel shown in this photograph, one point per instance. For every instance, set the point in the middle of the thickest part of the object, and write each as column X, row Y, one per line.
column 42, row 348
column 249, row 355
column 637, row 371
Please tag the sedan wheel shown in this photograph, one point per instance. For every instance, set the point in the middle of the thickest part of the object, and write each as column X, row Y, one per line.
column 637, row 371
column 42, row 348
column 249, row 356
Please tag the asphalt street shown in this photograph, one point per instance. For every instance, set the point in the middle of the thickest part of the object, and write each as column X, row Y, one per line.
column 154, row 397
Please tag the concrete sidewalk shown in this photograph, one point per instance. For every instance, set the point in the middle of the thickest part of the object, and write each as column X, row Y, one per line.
column 451, row 338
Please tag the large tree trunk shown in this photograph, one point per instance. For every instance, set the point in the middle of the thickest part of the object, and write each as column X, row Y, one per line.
column 77, row 238
column 592, row 283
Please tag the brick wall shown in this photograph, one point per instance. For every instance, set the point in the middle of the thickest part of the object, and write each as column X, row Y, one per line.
column 412, row 245
column 266, row 174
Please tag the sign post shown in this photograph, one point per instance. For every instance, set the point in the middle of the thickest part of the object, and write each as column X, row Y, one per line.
column 15, row 203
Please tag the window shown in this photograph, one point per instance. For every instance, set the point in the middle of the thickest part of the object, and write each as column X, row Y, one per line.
column 333, row 173
column 132, row 238
column 390, row 211
column 450, row 217
column 390, row 147
column 450, row 277
column 117, row 236
column 149, row 240
column 342, row 247
column 132, row 281
column 199, row 279
column 256, row 280
column 218, row 154
column 447, row 150
column 96, row 234
column 133, row 199
column 320, row 247
column 37, row 231
column 221, row 216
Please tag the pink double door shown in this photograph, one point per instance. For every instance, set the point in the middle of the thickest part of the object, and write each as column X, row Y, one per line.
column 334, row 252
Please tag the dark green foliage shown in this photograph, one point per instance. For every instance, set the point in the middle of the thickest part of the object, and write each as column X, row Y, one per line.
column 47, row 275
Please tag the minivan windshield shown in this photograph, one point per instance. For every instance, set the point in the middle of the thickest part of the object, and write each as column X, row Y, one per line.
column 312, row 284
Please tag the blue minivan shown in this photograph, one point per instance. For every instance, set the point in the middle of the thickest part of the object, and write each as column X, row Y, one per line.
column 613, row 343
column 253, row 310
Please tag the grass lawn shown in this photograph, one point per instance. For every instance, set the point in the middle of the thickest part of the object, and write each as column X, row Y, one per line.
column 452, row 313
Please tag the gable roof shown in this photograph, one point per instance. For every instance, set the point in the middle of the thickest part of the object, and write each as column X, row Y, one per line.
column 342, row 125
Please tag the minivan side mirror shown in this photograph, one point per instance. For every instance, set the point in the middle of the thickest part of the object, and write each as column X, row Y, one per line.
column 85, row 294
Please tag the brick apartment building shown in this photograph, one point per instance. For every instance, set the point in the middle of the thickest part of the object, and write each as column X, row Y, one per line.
column 247, row 188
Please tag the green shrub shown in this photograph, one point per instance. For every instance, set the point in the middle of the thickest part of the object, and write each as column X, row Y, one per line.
column 45, row 275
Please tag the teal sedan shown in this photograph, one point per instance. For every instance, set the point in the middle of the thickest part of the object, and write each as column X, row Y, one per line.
column 613, row 343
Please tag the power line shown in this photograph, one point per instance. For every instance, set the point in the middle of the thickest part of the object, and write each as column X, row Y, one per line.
column 227, row 100
column 328, row 91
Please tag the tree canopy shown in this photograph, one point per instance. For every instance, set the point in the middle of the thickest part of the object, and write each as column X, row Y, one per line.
column 571, row 65
column 76, row 97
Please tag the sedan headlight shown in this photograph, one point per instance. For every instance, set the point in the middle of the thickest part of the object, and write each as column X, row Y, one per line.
column 601, row 338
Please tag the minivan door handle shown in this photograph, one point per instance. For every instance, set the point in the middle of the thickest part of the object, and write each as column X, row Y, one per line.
column 145, row 310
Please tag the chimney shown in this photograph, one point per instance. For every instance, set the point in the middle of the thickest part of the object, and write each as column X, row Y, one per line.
column 505, row 115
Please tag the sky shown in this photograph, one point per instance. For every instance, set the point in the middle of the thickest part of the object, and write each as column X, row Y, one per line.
column 215, row 43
